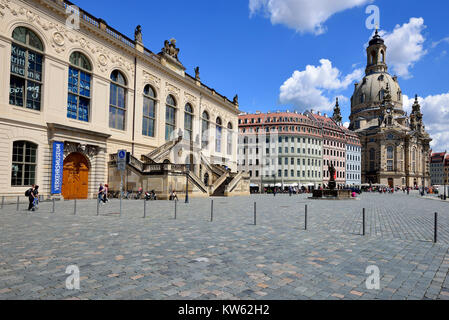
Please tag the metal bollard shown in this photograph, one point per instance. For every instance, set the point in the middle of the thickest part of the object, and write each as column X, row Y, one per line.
column 144, row 209
column 435, row 233
column 305, row 218
column 53, row 208
column 74, row 208
column 255, row 214
column 98, row 207
column 176, row 202
column 212, row 211
column 18, row 199
column 3, row 201
column 363, row 221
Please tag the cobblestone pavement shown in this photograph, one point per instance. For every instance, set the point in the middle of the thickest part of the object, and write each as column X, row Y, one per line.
column 128, row 257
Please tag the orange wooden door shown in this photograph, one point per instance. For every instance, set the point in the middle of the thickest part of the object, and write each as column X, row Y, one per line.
column 75, row 182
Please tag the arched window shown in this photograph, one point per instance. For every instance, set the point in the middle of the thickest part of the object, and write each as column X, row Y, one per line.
column 188, row 122
column 414, row 160
column 372, row 159
column 383, row 56
column 390, row 158
column 229, row 139
column 26, row 69
column 170, row 117
column 24, row 159
column 149, row 111
column 218, row 131
column 382, row 95
column 205, row 130
column 117, row 104
column 373, row 57
column 78, row 101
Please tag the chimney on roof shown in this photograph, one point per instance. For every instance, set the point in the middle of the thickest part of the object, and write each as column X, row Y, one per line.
column 319, row 113
column 325, row 115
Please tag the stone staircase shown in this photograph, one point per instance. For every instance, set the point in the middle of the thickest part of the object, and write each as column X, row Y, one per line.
column 151, row 165
column 160, row 153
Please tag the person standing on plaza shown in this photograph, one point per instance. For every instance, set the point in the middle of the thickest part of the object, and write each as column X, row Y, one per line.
column 30, row 194
column 36, row 197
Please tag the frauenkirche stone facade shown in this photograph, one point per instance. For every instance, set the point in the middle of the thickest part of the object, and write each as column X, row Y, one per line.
column 395, row 146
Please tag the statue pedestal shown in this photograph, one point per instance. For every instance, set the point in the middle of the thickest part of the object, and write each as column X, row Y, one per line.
column 335, row 194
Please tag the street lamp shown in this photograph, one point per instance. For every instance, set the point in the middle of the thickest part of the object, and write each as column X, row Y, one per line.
column 274, row 189
column 187, row 183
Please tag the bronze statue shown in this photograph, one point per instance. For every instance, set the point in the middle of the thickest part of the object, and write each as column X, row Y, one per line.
column 236, row 99
column 332, row 183
column 138, row 33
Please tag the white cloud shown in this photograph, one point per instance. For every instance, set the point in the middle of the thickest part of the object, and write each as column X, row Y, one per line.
column 405, row 46
column 310, row 88
column 346, row 124
column 435, row 109
column 303, row 15
column 437, row 43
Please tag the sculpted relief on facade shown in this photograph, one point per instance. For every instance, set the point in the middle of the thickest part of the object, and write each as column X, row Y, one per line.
column 58, row 34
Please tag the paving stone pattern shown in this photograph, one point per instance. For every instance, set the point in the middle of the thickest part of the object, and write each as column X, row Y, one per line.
column 128, row 257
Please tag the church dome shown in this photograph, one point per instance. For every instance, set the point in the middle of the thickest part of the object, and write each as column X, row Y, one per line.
column 371, row 90
column 369, row 93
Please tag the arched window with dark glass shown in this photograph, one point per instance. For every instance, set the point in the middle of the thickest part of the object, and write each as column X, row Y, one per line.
column 78, row 101
column 26, row 69
column 170, row 117
column 117, row 104
column 229, row 138
column 205, row 130
column 218, row 132
column 24, row 160
column 372, row 159
column 149, row 111
column 382, row 95
column 188, row 122
column 390, row 158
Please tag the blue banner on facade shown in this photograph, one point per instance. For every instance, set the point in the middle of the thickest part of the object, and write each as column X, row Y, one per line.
column 57, row 167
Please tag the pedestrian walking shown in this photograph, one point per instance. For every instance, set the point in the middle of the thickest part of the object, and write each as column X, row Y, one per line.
column 105, row 193
column 100, row 193
column 30, row 194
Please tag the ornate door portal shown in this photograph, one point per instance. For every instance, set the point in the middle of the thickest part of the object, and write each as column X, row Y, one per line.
column 75, row 183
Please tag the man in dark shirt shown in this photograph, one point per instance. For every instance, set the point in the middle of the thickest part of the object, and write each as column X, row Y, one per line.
column 31, row 198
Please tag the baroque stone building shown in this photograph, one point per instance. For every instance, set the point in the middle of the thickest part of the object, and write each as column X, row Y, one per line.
column 395, row 146
column 73, row 94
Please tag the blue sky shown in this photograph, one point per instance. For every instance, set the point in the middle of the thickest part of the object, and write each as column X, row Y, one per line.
column 253, row 47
